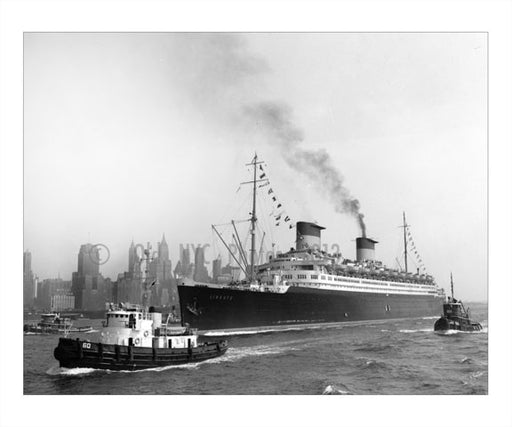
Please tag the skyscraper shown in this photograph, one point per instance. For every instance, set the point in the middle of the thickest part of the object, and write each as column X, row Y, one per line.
column 90, row 289
column 88, row 260
column 133, row 260
column 184, row 257
column 200, row 271
column 216, row 269
column 163, row 249
column 161, row 267
column 28, row 280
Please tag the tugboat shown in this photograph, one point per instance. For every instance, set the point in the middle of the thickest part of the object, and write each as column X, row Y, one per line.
column 54, row 323
column 455, row 317
column 134, row 338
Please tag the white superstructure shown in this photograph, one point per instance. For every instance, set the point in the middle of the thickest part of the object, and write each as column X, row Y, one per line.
column 131, row 325
column 314, row 269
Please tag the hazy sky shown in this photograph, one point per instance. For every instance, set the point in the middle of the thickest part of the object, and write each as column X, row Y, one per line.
column 135, row 135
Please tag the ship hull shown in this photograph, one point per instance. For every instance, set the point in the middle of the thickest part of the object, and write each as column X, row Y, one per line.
column 212, row 308
column 84, row 354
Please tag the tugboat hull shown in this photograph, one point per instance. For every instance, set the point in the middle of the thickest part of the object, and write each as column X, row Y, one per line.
column 456, row 324
column 84, row 354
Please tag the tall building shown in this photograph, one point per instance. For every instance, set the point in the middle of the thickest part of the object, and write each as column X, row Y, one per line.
column 160, row 271
column 55, row 294
column 88, row 260
column 216, row 269
column 160, row 268
column 128, row 288
column 29, row 289
column 90, row 289
column 163, row 249
column 184, row 257
column 200, row 271
column 133, row 260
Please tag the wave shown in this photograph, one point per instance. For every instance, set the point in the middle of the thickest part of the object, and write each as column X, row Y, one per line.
column 309, row 326
column 455, row 332
column 91, row 331
column 477, row 374
column 56, row 370
column 222, row 333
column 412, row 331
column 330, row 389
column 466, row 360
column 231, row 333
column 430, row 317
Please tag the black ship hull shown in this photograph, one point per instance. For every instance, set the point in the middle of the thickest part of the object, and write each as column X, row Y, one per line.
column 210, row 308
column 445, row 324
column 84, row 354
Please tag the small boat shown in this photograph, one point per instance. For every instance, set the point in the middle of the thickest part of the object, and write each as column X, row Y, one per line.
column 133, row 338
column 54, row 323
column 455, row 317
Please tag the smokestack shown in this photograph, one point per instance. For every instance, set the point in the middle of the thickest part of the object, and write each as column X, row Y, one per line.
column 308, row 235
column 365, row 249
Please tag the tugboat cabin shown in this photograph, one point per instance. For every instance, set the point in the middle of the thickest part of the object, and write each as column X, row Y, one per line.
column 133, row 326
column 453, row 308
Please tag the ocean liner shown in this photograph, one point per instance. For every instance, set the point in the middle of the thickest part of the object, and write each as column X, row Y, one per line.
column 308, row 286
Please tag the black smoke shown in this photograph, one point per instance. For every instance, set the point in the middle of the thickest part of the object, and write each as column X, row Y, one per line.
column 276, row 122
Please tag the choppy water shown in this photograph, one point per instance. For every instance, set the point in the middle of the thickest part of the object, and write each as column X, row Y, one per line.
column 392, row 357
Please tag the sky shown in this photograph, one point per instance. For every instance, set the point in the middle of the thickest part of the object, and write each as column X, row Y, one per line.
column 129, row 136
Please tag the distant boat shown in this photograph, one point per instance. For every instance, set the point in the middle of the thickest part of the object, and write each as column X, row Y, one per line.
column 455, row 317
column 54, row 323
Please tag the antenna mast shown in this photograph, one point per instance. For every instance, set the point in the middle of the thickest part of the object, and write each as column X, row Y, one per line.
column 146, row 259
column 451, row 283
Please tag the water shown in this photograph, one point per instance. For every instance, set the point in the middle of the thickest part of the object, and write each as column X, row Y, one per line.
column 392, row 357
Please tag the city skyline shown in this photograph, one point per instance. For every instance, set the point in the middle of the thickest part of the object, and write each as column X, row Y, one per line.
column 88, row 289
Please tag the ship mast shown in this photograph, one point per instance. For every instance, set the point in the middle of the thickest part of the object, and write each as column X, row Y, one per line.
column 253, row 219
column 405, row 240
column 250, row 272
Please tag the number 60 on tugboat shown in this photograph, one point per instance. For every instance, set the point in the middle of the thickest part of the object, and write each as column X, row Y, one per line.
column 133, row 338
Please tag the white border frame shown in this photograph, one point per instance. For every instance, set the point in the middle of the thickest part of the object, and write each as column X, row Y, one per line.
column 492, row 16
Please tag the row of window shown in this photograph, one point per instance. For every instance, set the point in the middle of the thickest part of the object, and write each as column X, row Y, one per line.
column 123, row 316
column 349, row 279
